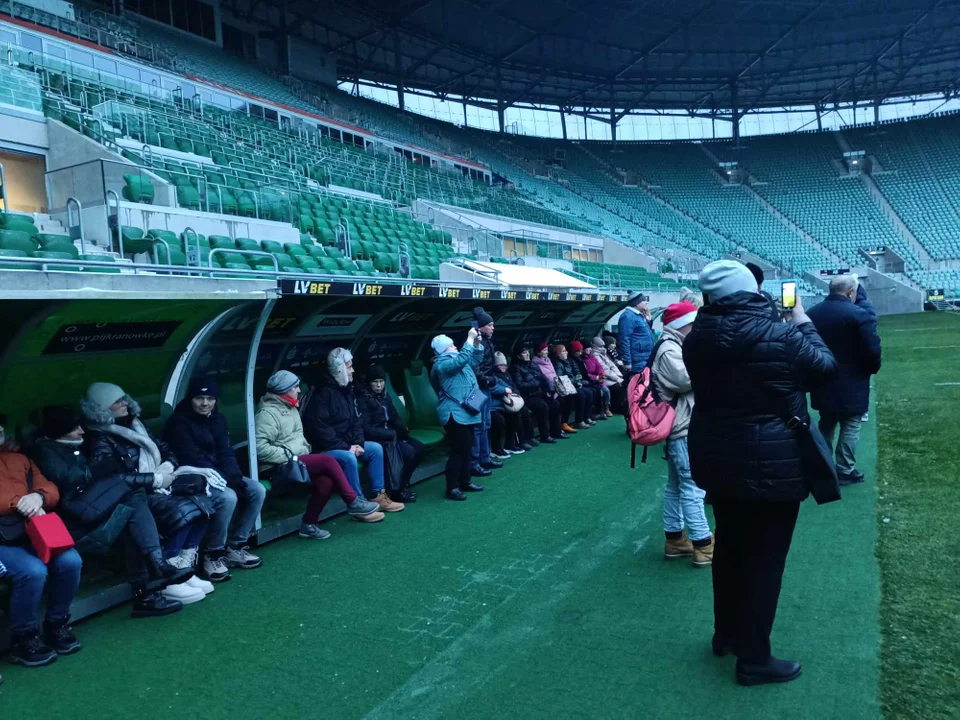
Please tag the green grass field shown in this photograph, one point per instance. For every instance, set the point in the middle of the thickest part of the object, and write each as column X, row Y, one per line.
column 548, row 597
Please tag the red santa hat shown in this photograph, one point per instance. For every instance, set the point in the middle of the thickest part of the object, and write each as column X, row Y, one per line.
column 679, row 315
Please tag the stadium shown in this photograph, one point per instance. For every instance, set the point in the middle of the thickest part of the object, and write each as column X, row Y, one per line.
column 231, row 189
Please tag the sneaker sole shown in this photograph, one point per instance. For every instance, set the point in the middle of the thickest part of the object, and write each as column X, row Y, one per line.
column 156, row 613
column 241, row 566
column 676, row 556
column 70, row 650
column 366, row 518
column 215, row 580
column 33, row 663
column 701, row 565
column 751, row 680
column 391, row 510
column 313, row 537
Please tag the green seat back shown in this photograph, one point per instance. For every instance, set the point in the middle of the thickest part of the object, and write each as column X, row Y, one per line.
column 272, row 246
column 17, row 240
column 421, row 398
column 247, row 244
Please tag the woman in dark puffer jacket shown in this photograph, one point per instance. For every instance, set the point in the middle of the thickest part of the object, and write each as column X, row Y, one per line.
column 118, row 444
column 100, row 512
column 750, row 375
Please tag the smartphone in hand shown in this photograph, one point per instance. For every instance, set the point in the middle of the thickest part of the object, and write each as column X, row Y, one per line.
column 788, row 294
column 474, row 324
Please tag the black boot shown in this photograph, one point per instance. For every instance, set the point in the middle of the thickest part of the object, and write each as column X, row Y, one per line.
column 456, row 494
column 771, row 671
column 30, row 650
column 59, row 635
column 150, row 603
column 471, row 487
column 162, row 570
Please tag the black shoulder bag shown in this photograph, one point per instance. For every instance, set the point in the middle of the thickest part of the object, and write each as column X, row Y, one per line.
column 292, row 472
column 819, row 468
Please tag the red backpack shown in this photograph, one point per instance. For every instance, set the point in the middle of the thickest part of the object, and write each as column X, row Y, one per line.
column 649, row 420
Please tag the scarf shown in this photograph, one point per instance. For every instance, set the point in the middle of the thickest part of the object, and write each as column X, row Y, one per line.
column 292, row 402
column 71, row 443
column 149, row 457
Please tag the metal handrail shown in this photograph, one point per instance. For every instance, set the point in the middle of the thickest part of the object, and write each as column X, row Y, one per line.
column 71, row 201
column 256, row 253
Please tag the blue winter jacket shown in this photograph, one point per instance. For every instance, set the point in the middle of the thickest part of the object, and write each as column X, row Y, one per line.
column 636, row 339
column 453, row 373
column 850, row 331
column 502, row 382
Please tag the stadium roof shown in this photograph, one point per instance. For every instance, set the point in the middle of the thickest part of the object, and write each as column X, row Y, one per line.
column 696, row 55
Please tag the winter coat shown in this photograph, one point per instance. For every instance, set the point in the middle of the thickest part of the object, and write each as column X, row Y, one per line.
column 610, row 369
column 636, row 339
column 85, row 503
column 485, row 366
column 549, row 371
column 331, row 417
column 380, row 420
column 503, row 381
column 202, row 441
column 277, row 426
column 528, row 381
column 750, row 374
column 453, row 374
column 569, row 368
column 109, row 454
column 672, row 382
column 14, row 468
column 593, row 367
column 851, row 334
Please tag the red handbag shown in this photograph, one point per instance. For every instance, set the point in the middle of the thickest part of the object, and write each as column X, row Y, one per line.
column 48, row 535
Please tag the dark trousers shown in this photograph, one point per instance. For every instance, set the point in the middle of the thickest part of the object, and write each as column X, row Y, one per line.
column 752, row 542
column 460, row 439
column 618, row 398
column 504, row 430
column 140, row 538
column 412, row 452
column 595, row 402
column 547, row 412
column 574, row 404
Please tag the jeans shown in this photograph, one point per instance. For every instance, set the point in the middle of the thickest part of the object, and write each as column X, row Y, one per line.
column 29, row 575
column 682, row 499
column 460, row 437
column 849, row 437
column 186, row 538
column 372, row 457
column 753, row 539
column 250, row 497
column 480, row 453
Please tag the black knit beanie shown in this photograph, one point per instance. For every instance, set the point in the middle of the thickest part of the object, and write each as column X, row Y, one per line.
column 58, row 420
column 482, row 316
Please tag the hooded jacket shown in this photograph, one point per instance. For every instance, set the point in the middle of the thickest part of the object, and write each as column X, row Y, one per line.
column 14, row 469
column 547, row 369
column 610, row 369
column 331, row 416
column 202, row 441
column 671, row 380
column 380, row 420
column 750, row 375
column 636, row 339
column 593, row 366
column 850, row 331
column 527, row 379
column 277, row 426
column 453, row 374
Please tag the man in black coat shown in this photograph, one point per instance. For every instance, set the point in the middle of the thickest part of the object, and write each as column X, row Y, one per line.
column 749, row 374
column 481, row 462
column 850, row 331
column 198, row 435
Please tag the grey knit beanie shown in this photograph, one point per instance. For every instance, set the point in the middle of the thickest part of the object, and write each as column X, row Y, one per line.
column 726, row 277
column 281, row 381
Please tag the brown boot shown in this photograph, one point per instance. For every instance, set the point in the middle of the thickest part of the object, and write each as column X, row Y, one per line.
column 386, row 504
column 373, row 517
column 681, row 547
column 703, row 556
column 567, row 429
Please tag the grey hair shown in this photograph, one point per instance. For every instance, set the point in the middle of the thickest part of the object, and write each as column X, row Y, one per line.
column 843, row 284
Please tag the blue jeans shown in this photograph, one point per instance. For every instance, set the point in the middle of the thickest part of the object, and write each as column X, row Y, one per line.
column 372, row 457
column 29, row 575
column 480, row 453
column 682, row 499
column 186, row 538
column 235, row 511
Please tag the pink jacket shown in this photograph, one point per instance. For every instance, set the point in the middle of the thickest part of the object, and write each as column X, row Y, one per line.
column 549, row 372
column 593, row 366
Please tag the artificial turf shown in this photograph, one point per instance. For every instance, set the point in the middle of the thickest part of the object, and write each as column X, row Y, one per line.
column 545, row 596
column 918, row 399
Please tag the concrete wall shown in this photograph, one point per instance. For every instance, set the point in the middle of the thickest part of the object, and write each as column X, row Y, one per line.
column 23, row 131
column 24, row 183
column 150, row 217
column 890, row 296
column 616, row 254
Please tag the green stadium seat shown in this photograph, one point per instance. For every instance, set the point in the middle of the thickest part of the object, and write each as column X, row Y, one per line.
column 422, row 403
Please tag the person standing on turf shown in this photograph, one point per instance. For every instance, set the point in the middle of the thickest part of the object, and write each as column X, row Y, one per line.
column 481, row 462
column 749, row 374
column 682, row 499
column 850, row 331
column 636, row 334
column 453, row 378
column 757, row 272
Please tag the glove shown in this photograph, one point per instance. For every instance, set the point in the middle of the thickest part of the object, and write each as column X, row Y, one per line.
column 31, row 505
column 166, row 467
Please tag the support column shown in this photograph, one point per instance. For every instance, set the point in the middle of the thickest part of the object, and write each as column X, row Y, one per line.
column 398, row 69
column 248, row 386
column 563, row 122
column 613, row 124
column 819, row 118
column 735, row 113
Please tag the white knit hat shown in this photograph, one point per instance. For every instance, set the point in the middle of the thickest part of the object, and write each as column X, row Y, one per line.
column 726, row 277
column 337, row 365
column 499, row 358
column 441, row 343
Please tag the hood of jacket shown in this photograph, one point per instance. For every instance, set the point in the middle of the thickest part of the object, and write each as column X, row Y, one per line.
column 97, row 415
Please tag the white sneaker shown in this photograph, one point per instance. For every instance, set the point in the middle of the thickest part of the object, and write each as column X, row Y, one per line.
column 204, row 586
column 215, row 568
column 179, row 561
column 183, row 592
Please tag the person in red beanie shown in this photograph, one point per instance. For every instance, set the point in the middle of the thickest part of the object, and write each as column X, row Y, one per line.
column 682, row 499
